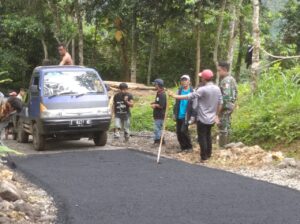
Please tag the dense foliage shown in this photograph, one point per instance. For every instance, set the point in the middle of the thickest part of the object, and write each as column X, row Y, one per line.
column 146, row 39
column 272, row 115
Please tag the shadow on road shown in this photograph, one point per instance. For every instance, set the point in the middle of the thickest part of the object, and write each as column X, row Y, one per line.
column 53, row 146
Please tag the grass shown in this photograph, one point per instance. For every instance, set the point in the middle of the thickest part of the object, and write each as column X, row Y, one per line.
column 142, row 114
column 5, row 149
column 271, row 116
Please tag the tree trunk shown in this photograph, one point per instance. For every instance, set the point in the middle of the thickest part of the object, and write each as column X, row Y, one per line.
column 95, row 42
column 55, row 13
column 152, row 55
column 45, row 48
column 237, row 69
column 124, row 57
column 80, row 39
column 198, row 45
column 73, row 50
column 79, row 16
column 232, row 36
column 256, row 45
column 217, row 41
column 134, row 40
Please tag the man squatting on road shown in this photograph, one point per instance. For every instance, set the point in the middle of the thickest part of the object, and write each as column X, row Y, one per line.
column 183, row 112
column 9, row 106
column 209, row 103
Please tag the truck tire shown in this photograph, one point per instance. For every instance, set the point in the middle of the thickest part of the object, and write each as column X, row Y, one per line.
column 22, row 136
column 39, row 140
column 100, row 138
column 15, row 136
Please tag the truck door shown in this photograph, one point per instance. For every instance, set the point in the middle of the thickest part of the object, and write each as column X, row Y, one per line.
column 34, row 98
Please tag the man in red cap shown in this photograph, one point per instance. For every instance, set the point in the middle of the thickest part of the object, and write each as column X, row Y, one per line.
column 209, row 102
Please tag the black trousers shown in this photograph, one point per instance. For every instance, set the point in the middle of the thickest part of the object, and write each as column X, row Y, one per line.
column 204, row 139
column 183, row 136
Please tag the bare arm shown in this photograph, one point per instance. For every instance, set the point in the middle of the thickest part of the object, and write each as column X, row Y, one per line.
column 129, row 103
column 67, row 60
column 180, row 97
column 63, row 61
column 193, row 95
column 219, row 109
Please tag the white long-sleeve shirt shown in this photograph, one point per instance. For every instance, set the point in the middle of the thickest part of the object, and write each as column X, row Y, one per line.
column 209, row 97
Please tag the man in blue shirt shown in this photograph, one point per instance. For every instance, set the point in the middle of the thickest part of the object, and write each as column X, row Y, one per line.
column 208, row 106
column 183, row 111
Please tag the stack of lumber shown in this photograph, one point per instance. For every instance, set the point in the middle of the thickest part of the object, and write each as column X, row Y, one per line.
column 133, row 86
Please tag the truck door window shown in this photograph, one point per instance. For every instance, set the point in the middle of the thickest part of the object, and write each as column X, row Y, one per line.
column 35, row 82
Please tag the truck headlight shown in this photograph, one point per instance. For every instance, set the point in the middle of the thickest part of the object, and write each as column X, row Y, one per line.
column 103, row 111
column 45, row 113
column 51, row 114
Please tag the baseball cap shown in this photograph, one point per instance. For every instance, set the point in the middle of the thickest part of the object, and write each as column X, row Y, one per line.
column 159, row 82
column 13, row 93
column 123, row 85
column 185, row 77
column 206, row 74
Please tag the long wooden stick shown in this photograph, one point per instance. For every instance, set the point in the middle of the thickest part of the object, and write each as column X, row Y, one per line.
column 111, row 106
column 164, row 128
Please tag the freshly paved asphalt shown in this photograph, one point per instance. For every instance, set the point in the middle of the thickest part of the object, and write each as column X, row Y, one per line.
column 128, row 187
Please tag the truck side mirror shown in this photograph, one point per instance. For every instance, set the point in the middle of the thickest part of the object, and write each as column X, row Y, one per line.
column 34, row 89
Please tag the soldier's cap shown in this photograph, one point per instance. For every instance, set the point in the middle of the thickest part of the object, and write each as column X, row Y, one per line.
column 158, row 82
column 206, row 74
column 187, row 77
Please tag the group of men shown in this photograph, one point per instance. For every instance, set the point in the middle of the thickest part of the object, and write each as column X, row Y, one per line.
column 211, row 104
column 207, row 105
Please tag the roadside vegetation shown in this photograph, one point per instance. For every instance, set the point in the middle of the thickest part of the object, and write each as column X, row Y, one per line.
column 269, row 118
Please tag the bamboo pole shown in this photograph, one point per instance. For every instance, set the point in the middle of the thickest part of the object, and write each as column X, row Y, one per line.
column 164, row 128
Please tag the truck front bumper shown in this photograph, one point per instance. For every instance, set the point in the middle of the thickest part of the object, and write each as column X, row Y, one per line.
column 75, row 126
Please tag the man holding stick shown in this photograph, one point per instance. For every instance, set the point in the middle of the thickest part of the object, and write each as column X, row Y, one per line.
column 209, row 102
column 159, row 110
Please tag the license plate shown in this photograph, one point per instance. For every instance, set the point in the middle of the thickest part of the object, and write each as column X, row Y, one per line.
column 80, row 123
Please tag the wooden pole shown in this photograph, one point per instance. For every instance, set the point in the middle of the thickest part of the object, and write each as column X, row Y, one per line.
column 164, row 128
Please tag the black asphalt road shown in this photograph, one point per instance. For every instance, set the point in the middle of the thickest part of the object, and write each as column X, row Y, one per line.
column 128, row 187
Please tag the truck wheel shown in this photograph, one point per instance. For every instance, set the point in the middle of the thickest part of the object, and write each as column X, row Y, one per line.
column 15, row 136
column 100, row 138
column 22, row 136
column 38, row 139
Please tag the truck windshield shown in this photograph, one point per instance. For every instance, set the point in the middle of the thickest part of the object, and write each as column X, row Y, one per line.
column 71, row 83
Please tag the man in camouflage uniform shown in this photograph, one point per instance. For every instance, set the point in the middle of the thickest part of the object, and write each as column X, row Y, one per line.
column 228, row 88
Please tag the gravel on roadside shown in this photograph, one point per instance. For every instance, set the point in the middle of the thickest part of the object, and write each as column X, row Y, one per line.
column 21, row 202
